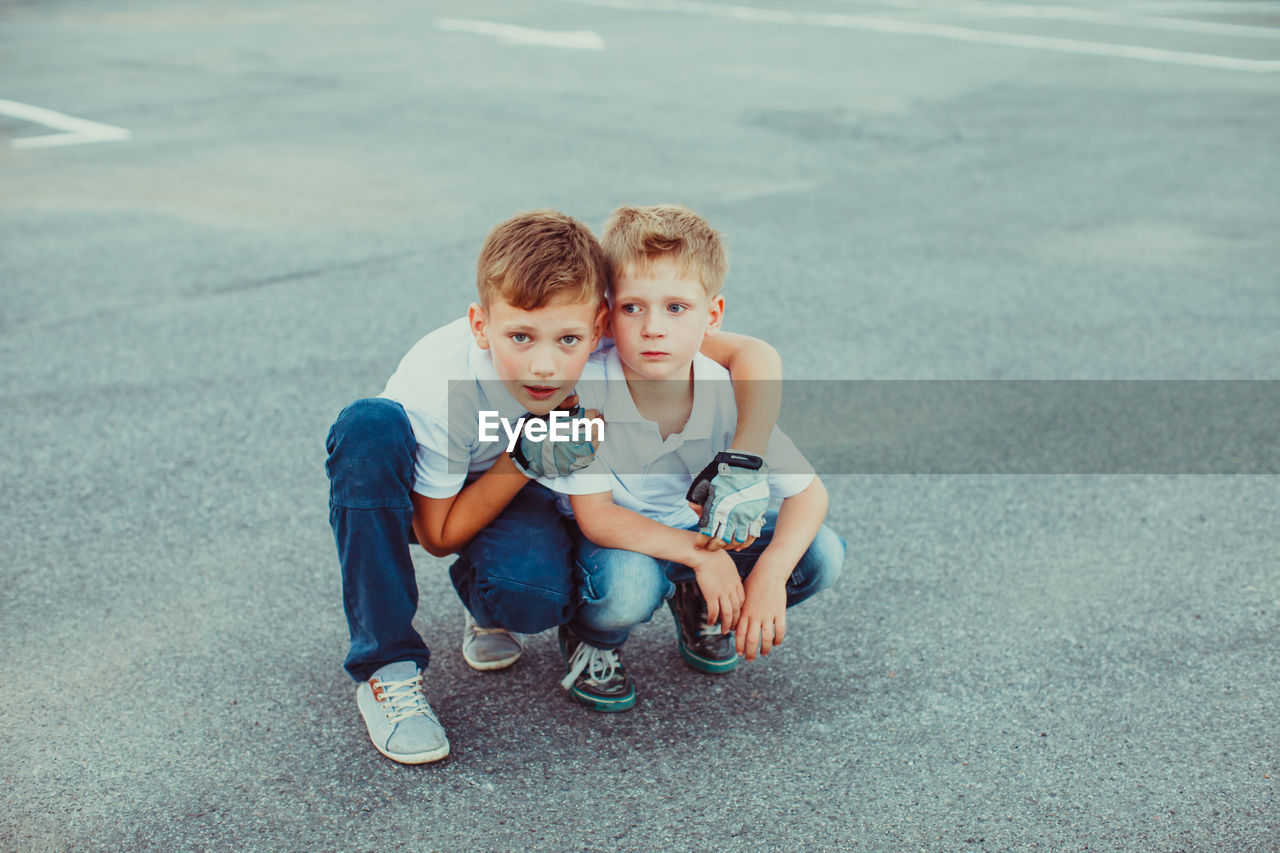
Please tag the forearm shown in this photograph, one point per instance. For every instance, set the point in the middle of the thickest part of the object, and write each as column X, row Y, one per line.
column 756, row 370
column 799, row 519
column 474, row 508
column 611, row 526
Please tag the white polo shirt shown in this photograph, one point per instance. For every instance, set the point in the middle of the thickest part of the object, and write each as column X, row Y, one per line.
column 650, row 475
column 422, row 384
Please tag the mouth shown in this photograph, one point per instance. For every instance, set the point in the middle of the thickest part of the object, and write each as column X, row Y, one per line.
column 541, row 392
column 653, row 355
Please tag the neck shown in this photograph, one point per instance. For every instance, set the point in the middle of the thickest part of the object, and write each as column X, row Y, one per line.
column 661, row 400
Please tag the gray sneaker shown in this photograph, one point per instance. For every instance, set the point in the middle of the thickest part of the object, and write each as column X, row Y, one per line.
column 489, row 648
column 401, row 724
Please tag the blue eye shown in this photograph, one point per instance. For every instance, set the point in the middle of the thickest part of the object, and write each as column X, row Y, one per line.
column 570, row 340
column 677, row 308
column 520, row 338
column 630, row 309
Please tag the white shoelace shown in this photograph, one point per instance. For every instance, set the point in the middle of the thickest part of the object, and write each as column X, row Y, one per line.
column 405, row 699
column 599, row 664
column 709, row 630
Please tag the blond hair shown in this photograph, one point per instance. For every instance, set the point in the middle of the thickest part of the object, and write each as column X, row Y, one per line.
column 539, row 256
column 636, row 237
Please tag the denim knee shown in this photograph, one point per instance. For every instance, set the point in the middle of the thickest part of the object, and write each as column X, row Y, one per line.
column 621, row 589
column 371, row 449
column 818, row 568
column 527, row 605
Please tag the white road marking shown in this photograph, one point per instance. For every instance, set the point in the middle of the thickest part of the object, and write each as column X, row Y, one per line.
column 571, row 39
column 77, row 131
column 942, row 31
column 1222, row 7
column 1092, row 16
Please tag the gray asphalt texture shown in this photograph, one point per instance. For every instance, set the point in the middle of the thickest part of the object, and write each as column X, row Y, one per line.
column 1008, row 663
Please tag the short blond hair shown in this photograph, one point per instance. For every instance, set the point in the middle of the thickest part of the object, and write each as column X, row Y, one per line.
column 539, row 256
column 635, row 237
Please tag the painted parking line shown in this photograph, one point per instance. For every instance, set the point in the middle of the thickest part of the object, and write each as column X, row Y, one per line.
column 75, row 131
column 1088, row 15
column 511, row 34
column 1203, row 7
column 942, row 31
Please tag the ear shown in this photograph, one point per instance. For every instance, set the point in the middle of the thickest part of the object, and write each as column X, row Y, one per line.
column 602, row 326
column 479, row 323
column 716, row 310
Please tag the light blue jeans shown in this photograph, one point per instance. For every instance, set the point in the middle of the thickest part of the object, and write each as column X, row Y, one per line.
column 621, row 589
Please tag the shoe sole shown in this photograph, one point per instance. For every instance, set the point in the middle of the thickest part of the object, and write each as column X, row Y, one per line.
column 711, row 667
column 490, row 665
column 607, row 706
column 417, row 757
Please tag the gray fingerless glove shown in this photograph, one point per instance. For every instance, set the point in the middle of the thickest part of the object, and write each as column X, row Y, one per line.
column 734, row 493
column 547, row 458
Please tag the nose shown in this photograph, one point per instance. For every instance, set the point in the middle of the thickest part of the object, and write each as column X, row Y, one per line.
column 653, row 326
column 543, row 364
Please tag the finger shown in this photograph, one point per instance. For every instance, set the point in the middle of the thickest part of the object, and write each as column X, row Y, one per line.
column 750, row 541
column 569, row 402
column 715, row 545
column 592, row 414
column 781, row 630
column 737, row 612
column 701, row 542
column 766, row 637
column 753, row 639
column 728, row 614
column 713, row 609
column 740, row 639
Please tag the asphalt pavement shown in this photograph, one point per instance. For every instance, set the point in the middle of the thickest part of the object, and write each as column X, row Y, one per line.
column 265, row 204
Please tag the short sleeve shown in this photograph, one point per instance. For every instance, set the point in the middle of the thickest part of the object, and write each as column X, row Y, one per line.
column 441, row 459
column 789, row 472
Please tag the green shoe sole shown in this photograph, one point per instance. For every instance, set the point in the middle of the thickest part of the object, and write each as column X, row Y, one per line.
column 709, row 666
column 608, row 706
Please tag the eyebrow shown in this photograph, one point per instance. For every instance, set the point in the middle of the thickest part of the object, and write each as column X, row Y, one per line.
column 668, row 298
column 523, row 329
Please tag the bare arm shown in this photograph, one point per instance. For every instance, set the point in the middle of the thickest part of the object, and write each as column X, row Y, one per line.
column 444, row 525
column 756, row 370
column 764, row 615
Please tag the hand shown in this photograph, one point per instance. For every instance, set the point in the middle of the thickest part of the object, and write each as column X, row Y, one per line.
column 721, row 587
column 730, row 496
column 763, row 622
column 549, row 458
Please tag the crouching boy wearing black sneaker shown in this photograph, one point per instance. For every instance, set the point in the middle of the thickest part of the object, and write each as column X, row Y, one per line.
column 669, row 410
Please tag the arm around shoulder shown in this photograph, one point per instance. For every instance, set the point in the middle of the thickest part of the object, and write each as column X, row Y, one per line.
column 444, row 525
column 756, row 370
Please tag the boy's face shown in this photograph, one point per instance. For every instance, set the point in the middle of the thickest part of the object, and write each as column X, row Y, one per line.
column 538, row 354
column 659, row 319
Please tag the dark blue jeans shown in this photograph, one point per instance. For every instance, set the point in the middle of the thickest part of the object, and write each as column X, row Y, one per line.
column 517, row 573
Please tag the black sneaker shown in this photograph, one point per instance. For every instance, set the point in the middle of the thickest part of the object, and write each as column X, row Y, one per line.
column 702, row 645
column 595, row 677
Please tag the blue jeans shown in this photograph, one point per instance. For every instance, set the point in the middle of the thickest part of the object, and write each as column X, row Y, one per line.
column 516, row 573
column 621, row 589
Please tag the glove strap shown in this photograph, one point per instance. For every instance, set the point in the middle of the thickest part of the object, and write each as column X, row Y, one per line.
column 732, row 458
column 738, row 459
